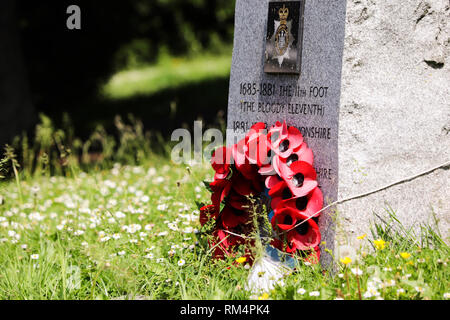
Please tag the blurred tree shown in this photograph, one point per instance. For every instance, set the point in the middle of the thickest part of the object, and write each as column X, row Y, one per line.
column 16, row 109
column 65, row 67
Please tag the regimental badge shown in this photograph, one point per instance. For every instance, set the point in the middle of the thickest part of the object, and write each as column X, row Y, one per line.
column 284, row 37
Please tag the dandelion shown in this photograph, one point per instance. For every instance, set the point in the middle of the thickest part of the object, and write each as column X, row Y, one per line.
column 264, row 296
column 181, row 262
column 380, row 244
column 34, row 256
column 301, row 291
column 362, row 237
column 241, row 260
column 346, row 260
column 405, row 255
column 346, row 253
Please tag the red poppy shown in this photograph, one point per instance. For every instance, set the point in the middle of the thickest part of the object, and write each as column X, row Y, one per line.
column 272, row 181
column 284, row 140
column 256, row 130
column 237, row 201
column 245, row 187
column 307, row 205
column 285, row 218
column 257, row 146
column 220, row 162
column 279, row 192
column 220, row 189
column 290, row 178
column 242, row 164
column 283, row 165
column 232, row 217
column 277, row 133
column 305, row 236
column 303, row 179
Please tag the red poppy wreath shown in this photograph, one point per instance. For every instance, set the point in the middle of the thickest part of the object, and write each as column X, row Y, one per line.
column 273, row 170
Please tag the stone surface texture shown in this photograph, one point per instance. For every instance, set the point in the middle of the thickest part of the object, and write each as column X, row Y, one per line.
column 395, row 113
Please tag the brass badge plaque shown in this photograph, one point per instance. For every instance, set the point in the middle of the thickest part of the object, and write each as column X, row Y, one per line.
column 284, row 37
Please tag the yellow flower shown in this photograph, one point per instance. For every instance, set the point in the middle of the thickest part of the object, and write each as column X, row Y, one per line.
column 380, row 244
column 265, row 296
column 241, row 260
column 346, row 260
column 405, row 255
column 362, row 237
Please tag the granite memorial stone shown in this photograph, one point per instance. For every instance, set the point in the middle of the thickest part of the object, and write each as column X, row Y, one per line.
column 286, row 65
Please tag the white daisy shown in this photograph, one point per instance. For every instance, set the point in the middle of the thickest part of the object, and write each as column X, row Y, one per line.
column 181, row 262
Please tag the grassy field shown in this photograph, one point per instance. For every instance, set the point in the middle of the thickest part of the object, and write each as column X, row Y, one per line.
column 133, row 232
column 169, row 72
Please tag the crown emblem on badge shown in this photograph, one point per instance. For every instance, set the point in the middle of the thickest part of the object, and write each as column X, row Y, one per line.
column 284, row 14
column 282, row 36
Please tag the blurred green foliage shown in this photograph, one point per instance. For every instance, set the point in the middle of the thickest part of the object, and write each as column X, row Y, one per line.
column 67, row 67
column 177, row 27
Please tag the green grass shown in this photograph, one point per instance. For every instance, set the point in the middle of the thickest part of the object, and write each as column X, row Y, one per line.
column 169, row 72
column 117, row 233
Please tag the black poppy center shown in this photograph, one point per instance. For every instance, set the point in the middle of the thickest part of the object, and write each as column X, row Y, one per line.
column 301, row 203
column 292, row 158
column 303, row 228
column 298, row 180
column 287, row 194
column 284, row 146
column 287, row 220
